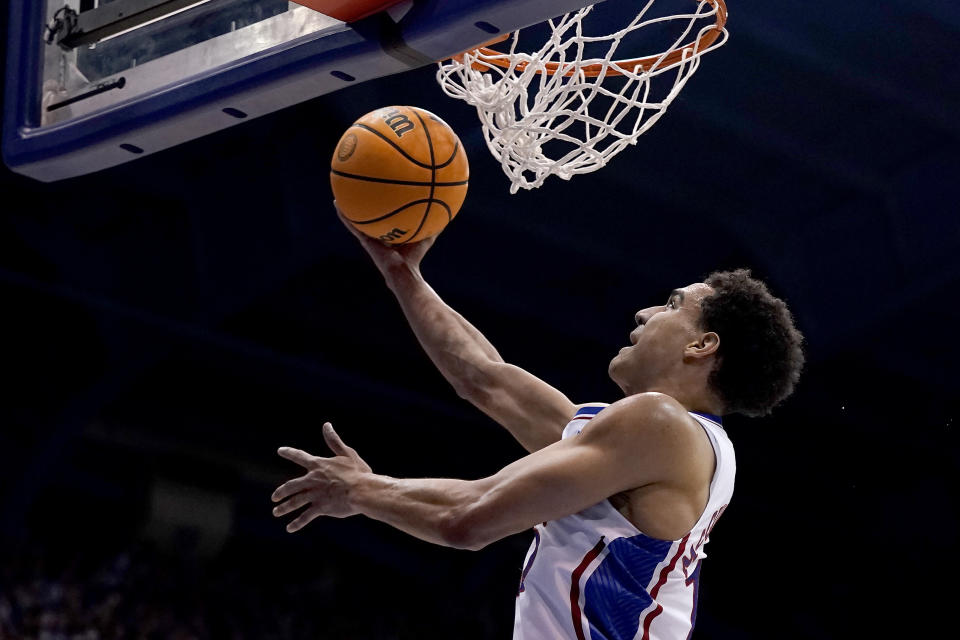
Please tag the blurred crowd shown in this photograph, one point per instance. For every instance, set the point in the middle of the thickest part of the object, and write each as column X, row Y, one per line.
column 139, row 592
column 144, row 592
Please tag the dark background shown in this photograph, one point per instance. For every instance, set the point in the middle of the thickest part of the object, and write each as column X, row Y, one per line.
column 170, row 322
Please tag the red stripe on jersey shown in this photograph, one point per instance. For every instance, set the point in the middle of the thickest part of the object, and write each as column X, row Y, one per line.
column 650, row 617
column 583, row 417
column 575, row 586
column 660, row 582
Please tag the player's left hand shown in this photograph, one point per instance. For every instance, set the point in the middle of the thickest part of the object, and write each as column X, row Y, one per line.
column 325, row 488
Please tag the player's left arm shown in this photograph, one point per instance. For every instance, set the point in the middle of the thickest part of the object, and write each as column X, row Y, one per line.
column 635, row 442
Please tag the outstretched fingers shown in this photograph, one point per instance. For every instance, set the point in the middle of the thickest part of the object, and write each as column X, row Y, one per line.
column 334, row 442
column 290, row 487
column 324, row 489
column 299, row 456
column 304, row 519
column 291, row 505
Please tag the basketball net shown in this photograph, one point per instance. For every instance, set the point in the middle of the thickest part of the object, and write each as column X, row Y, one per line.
column 527, row 101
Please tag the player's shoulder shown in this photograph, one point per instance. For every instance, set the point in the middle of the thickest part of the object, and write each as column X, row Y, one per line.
column 654, row 406
column 651, row 415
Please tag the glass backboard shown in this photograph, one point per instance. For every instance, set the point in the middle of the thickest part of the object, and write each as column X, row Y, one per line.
column 95, row 83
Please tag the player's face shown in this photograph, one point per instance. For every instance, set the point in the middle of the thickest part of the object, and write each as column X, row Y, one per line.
column 658, row 342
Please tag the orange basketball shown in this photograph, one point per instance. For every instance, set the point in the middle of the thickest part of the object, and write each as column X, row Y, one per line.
column 399, row 174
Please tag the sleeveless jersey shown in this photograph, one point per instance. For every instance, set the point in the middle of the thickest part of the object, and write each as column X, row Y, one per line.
column 593, row 575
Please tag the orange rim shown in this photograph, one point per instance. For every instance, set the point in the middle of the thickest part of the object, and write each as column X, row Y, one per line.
column 650, row 63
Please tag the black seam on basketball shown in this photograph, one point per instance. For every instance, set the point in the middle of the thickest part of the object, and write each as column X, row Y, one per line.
column 392, row 213
column 433, row 176
column 453, row 155
column 412, row 183
column 392, row 144
column 423, row 221
column 447, row 208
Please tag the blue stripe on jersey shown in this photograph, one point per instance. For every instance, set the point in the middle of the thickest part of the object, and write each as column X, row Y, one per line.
column 694, row 579
column 709, row 416
column 588, row 411
column 616, row 594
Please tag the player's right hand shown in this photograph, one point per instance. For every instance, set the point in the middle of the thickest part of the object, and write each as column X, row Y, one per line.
column 390, row 258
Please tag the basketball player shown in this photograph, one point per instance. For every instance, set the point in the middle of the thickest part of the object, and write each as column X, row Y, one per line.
column 621, row 497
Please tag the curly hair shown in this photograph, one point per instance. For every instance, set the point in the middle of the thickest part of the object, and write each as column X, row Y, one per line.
column 761, row 351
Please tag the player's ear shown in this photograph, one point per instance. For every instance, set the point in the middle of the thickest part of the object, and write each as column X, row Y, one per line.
column 705, row 345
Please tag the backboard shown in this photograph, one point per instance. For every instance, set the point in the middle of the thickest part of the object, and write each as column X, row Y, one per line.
column 91, row 84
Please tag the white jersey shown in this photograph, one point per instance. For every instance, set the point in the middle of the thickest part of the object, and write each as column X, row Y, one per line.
column 593, row 575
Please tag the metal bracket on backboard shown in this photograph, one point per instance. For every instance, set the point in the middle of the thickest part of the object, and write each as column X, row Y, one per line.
column 110, row 19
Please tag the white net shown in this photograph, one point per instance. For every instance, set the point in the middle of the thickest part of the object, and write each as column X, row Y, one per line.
column 557, row 111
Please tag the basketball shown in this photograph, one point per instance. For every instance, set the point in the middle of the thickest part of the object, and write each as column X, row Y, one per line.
column 399, row 174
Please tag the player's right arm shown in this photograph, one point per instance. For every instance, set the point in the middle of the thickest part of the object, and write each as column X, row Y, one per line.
column 530, row 409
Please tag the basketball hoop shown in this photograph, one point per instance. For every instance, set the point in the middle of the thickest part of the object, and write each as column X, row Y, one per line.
column 529, row 101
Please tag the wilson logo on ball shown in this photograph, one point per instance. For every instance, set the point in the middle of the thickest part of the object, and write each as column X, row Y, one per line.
column 397, row 121
column 396, row 234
